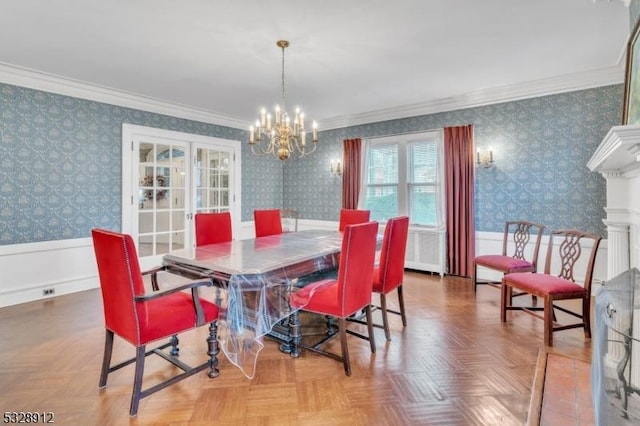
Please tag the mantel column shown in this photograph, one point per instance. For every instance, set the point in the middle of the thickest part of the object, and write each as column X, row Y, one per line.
column 617, row 248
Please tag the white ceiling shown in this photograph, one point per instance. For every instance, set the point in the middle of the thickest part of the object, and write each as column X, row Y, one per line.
column 350, row 61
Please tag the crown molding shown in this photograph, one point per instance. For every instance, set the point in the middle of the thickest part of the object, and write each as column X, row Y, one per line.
column 20, row 76
column 565, row 83
column 32, row 79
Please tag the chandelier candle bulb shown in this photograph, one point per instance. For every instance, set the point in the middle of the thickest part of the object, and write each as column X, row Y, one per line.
column 315, row 131
column 251, row 135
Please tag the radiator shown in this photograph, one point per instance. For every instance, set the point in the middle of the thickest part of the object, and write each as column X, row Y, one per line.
column 426, row 248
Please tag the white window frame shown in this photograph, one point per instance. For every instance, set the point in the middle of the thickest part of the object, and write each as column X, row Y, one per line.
column 403, row 142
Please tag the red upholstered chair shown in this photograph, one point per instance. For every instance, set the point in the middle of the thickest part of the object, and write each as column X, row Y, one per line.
column 566, row 249
column 141, row 318
column 389, row 274
column 213, row 228
column 267, row 222
column 352, row 216
column 349, row 293
column 525, row 246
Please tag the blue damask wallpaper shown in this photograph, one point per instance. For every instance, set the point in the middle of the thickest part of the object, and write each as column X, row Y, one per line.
column 61, row 164
column 541, row 147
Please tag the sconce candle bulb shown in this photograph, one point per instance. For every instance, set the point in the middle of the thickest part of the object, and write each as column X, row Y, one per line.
column 335, row 167
column 485, row 159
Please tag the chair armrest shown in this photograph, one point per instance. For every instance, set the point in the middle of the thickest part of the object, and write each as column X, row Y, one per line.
column 154, row 270
column 193, row 285
column 165, row 292
column 154, row 276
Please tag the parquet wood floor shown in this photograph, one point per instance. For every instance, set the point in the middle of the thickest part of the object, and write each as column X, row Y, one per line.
column 454, row 364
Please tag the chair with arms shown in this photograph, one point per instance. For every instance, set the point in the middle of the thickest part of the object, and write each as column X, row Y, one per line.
column 349, row 293
column 566, row 248
column 267, row 222
column 213, row 228
column 352, row 216
column 142, row 318
column 526, row 246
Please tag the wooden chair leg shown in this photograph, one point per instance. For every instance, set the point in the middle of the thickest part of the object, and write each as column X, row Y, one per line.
column 175, row 350
column 385, row 318
column 548, row 320
column 372, row 340
column 586, row 315
column 343, row 343
column 106, row 358
column 503, row 301
column 137, row 381
column 401, row 303
column 474, row 273
column 212, row 343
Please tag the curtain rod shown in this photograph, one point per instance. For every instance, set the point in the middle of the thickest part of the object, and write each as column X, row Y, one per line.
column 412, row 133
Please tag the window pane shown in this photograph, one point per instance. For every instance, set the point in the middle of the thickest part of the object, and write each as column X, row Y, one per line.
column 383, row 164
column 383, row 202
column 422, row 205
column 423, row 161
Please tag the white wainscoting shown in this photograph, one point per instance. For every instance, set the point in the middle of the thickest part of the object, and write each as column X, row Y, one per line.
column 65, row 266
column 68, row 266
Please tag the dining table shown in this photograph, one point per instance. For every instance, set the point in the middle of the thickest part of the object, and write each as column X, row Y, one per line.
column 253, row 280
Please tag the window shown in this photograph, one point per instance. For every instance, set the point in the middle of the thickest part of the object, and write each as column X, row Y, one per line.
column 403, row 176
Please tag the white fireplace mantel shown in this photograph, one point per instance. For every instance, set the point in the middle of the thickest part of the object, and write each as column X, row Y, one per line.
column 618, row 160
column 619, row 151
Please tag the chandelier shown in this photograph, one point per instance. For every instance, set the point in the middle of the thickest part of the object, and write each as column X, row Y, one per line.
column 281, row 137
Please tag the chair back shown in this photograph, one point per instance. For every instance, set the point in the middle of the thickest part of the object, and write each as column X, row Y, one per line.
column 267, row 222
column 569, row 248
column 352, row 216
column 289, row 220
column 523, row 232
column 213, row 228
column 120, row 281
column 355, row 271
column 392, row 254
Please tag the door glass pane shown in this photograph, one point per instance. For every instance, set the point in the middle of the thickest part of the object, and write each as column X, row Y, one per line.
column 161, row 197
column 145, row 245
column 212, row 182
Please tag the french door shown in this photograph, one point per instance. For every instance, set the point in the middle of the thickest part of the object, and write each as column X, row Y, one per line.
column 167, row 178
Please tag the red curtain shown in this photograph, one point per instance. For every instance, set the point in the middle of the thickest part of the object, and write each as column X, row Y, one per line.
column 351, row 173
column 459, row 180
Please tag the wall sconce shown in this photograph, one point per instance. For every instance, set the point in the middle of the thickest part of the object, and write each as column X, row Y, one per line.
column 485, row 159
column 336, row 167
